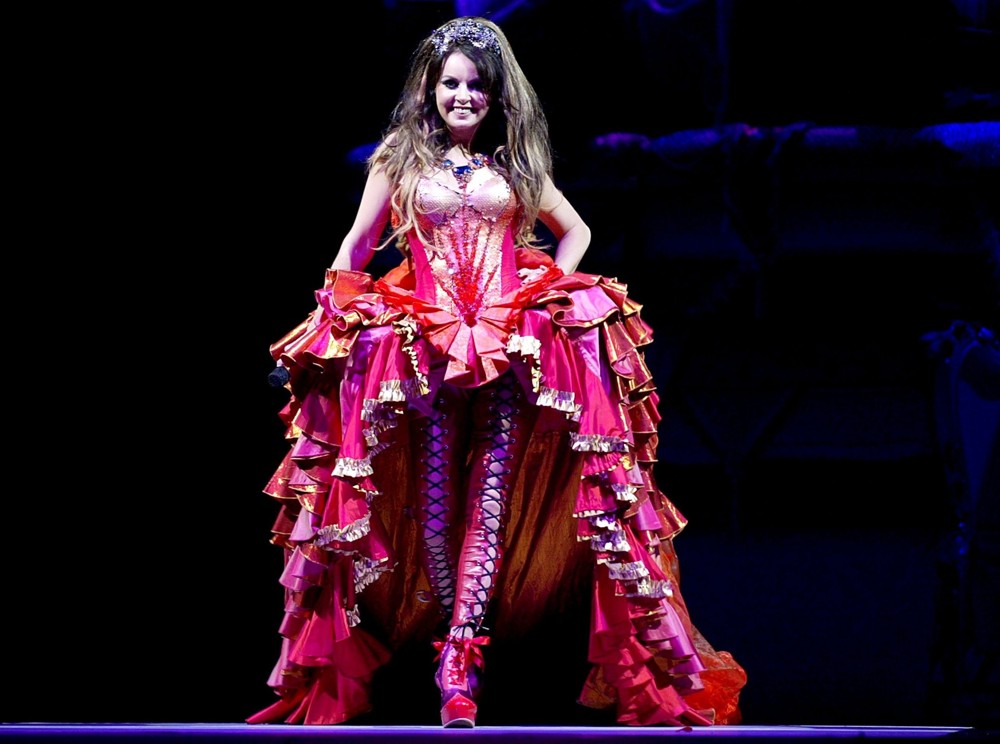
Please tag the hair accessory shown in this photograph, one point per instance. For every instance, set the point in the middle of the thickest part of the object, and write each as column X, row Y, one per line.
column 468, row 30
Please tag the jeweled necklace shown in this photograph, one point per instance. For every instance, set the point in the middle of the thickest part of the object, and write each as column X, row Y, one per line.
column 463, row 173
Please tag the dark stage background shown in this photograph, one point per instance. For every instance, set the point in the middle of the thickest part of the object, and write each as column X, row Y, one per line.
column 802, row 195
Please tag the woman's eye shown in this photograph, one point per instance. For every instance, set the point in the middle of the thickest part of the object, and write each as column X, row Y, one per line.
column 450, row 84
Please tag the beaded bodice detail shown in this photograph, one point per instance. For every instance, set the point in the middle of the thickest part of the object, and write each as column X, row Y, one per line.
column 465, row 213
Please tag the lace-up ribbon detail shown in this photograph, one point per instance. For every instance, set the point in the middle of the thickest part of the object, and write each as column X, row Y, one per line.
column 470, row 649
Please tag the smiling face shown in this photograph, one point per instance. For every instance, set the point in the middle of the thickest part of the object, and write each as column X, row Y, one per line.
column 462, row 100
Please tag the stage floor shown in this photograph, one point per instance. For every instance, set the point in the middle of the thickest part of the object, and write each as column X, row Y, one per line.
column 152, row 732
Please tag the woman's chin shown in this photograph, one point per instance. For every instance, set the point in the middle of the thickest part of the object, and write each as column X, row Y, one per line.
column 462, row 128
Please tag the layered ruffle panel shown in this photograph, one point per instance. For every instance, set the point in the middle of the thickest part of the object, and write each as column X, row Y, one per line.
column 335, row 544
column 649, row 660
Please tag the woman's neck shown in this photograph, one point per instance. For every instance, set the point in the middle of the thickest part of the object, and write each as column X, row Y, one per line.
column 460, row 152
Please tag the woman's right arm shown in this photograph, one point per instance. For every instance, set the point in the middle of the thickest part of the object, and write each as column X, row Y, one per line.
column 358, row 246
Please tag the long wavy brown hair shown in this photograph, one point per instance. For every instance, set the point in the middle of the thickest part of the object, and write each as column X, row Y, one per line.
column 514, row 133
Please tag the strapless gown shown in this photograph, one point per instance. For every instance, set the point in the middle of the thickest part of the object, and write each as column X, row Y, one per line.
column 586, row 514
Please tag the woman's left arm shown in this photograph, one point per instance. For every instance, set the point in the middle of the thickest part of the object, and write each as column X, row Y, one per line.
column 567, row 226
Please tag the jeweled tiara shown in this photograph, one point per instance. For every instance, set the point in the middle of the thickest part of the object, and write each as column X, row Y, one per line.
column 468, row 30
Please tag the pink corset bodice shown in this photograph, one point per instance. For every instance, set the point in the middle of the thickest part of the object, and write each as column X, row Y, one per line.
column 468, row 265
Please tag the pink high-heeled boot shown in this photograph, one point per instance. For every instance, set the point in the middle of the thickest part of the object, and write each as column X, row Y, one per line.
column 499, row 447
